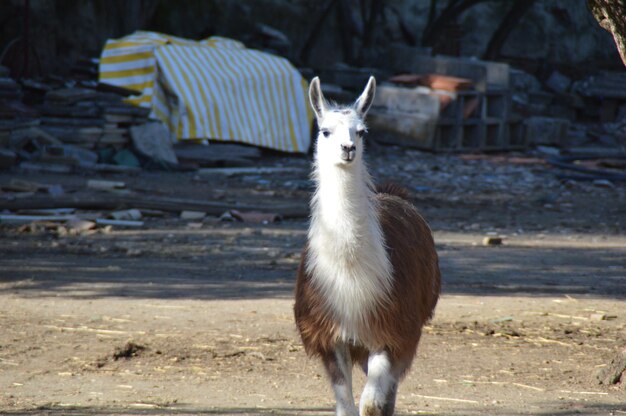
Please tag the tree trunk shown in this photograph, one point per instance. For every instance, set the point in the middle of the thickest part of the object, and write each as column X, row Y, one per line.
column 376, row 9
column 448, row 15
column 611, row 15
column 510, row 21
column 315, row 30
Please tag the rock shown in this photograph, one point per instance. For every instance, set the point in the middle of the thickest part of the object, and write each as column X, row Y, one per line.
column 597, row 317
column 549, row 150
column 192, row 215
column 217, row 154
column 119, row 223
column 492, row 241
column 105, row 185
column 45, row 167
column 55, row 190
column 546, row 130
column 78, row 225
column 603, row 183
column 68, row 96
column 255, row 217
column 126, row 158
column 558, row 82
column 523, row 81
column 128, row 214
column 83, row 155
column 20, row 185
column 405, row 116
column 8, row 158
column 19, row 138
column 153, row 141
column 615, row 371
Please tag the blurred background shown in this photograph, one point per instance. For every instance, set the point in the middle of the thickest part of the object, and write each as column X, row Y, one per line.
column 53, row 36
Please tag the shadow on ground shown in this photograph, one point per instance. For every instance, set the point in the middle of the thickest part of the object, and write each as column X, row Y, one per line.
column 561, row 410
column 466, row 270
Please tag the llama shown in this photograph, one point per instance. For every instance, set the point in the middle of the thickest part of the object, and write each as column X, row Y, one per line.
column 369, row 275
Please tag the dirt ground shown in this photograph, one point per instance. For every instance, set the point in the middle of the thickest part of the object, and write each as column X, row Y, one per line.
column 195, row 317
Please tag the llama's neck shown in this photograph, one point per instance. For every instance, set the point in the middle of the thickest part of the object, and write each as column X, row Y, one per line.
column 347, row 256
column 342, row 201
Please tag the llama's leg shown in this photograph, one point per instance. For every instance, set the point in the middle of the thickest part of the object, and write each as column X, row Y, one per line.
column 379, row 394
column 339, row 367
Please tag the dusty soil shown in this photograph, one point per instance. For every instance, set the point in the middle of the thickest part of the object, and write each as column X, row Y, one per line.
column 179, row 318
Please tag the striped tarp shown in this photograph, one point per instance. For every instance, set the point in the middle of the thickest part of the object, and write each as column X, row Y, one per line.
column 212, row 89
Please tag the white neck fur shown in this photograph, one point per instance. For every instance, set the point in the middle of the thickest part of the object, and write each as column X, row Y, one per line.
column 347, row 257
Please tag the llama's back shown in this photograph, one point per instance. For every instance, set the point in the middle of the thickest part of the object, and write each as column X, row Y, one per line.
column 392, row 188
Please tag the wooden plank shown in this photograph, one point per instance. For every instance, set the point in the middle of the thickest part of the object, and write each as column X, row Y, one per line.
column 26, row 219
column 113, row 201
column 247, row 171
column 70, row 111
column 216, row 154
column 71, row 95
column 216, row 150
column 119, row 223
column 105, row 185
column 73, row 122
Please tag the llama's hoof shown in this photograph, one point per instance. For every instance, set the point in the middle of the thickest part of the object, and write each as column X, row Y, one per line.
column 372, row 409
column 347, row 412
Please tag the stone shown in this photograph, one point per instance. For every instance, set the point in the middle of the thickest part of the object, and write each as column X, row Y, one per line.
column 77, row 225
column 492, row 241
column 404, row 116
column 153, row 141
column 105, row 185
column 8, row 158
column 603, row 183
column 128, row 214
column 597, row 317
column 19, row 138
column 615, row 371
column 192, row 215
column 558, row 82
column 546, row 130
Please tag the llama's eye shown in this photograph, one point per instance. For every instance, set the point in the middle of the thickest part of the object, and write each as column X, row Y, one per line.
column 360, row 133
column 326, row 133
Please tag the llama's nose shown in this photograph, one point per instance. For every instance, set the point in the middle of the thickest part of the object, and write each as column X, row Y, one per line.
column 348, row 148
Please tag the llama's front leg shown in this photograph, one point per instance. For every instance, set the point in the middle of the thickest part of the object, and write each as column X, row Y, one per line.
column 379, row 394
column 339, row 368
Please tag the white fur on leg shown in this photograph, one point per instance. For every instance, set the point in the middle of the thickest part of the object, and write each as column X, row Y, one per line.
column 343, row 388
column 345, row 400
column 380, row 381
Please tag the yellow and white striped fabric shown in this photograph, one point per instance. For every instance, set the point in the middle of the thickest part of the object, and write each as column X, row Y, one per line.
column 212, row 89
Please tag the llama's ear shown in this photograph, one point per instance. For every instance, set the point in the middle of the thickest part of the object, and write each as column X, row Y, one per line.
column 367, row 97
column 317, row 98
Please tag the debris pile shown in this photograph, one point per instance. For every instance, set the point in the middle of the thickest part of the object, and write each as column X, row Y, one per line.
column 604, row 96
column 444, row 104
column 96, row 205
column 89, row 118
column 60, row 126
column 457, row 104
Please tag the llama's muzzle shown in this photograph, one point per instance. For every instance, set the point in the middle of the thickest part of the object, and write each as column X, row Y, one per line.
column 348, row 152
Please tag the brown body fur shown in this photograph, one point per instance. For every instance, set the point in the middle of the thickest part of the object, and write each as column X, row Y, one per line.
column 416, row 284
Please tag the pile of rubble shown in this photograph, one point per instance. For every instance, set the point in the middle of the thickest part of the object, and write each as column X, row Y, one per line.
column 64, row 126
column 457, row 104
column 58, row 126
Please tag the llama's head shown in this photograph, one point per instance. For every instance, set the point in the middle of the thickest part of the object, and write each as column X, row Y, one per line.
column 341, row 129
